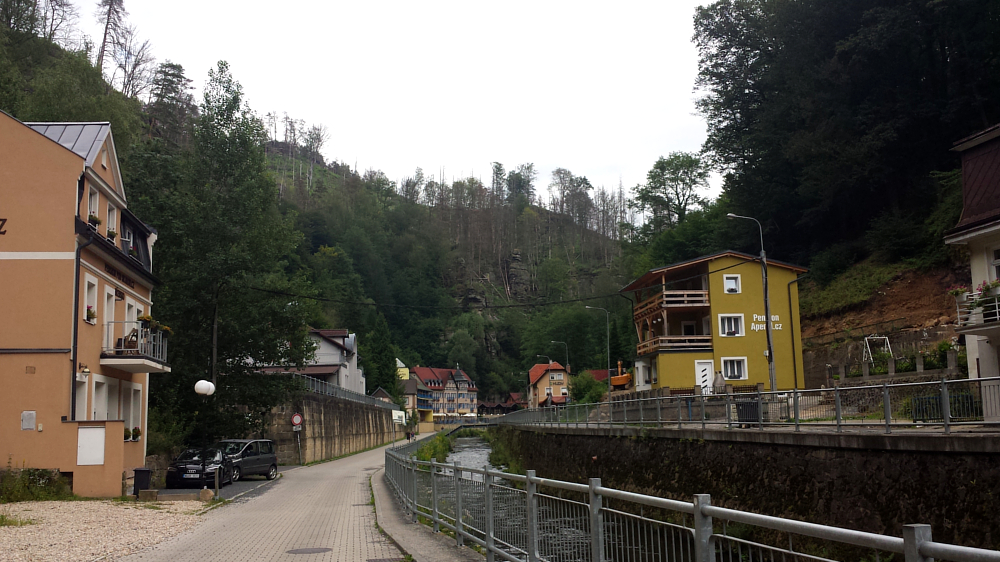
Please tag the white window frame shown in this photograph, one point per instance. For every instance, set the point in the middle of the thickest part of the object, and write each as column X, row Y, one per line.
column 90, row 297
column 555, row 376
column 109, row 315
column 112, row 218
column 739, row 284
column 742, row 360
column 722, row 329
column 994, row 263
column 94, row 203
column 134, row 402
column 104, row 158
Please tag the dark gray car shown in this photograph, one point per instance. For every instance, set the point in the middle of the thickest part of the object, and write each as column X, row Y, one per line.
column 251, row 456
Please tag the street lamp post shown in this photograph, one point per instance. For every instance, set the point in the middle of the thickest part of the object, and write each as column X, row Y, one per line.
column 607, row 324
column 767, row 302
column 567, row 352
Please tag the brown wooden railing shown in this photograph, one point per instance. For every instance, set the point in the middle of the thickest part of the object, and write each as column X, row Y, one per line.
column 671, row 299
column 674, row 343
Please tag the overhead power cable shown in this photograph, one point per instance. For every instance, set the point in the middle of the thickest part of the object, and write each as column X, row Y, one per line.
column 485, row 306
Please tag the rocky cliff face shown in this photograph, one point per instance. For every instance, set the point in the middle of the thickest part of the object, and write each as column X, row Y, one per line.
column 518, row 277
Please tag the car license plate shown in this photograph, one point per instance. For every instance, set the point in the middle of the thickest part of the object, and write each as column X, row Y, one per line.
column 190, row 476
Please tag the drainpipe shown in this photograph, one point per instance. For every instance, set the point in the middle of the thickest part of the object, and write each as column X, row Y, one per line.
column 791, row 324
column 76, row 302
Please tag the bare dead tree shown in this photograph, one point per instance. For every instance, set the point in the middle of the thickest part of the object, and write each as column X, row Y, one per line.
column 111, row 14
column 134, row 62
column 58, row 20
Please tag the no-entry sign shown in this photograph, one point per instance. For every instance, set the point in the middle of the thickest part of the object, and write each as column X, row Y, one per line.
column 296, row 419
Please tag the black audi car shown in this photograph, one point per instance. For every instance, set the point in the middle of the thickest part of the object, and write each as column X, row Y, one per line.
column 198, row 467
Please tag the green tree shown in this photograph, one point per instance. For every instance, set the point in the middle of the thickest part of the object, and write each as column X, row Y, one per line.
column 584, row 389
column 379, row 359
column 671, row 189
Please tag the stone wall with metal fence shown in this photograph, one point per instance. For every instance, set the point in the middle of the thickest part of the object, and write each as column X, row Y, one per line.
column 332, row 426
column 863, row 481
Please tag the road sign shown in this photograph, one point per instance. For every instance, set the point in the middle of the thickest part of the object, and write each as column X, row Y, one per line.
column 296, row 428
column 399, row 416
column 297, row 419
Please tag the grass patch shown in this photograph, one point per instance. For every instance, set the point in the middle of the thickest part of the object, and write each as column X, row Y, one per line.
column 14, row 521
column 32, row 484
column 436, row 448
column 853, row 287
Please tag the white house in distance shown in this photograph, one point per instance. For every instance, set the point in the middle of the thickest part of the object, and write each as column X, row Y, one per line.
column 979, row 231
column 335, row 362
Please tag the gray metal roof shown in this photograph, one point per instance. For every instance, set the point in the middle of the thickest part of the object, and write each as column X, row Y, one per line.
column 85, row 139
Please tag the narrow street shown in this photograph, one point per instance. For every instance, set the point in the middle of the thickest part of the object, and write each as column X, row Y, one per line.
column 317, row 513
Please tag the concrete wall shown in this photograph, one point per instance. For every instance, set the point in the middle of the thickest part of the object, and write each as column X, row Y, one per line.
column 332, row 427
column 868, row 482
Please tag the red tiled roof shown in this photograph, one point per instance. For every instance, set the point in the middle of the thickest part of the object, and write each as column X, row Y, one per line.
column 598, row 374
column 516, row 397
column 540, row 369
column 436, row 379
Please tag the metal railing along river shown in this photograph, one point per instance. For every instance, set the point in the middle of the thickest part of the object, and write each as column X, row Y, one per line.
column 929, row 406
column 322, row 387
column 525, row 518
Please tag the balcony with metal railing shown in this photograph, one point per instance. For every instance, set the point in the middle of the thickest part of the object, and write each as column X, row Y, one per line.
column 979, row 314
column 134, row 347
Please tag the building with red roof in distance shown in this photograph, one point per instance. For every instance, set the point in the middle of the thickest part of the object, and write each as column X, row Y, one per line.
column 454, row 392
column 546, row 379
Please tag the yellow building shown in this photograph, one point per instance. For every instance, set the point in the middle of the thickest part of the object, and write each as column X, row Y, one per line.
column 701, row 323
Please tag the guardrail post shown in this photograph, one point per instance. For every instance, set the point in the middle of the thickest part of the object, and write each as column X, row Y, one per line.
column 531, row 488
column 703, row 530
column 596, row 523
column 416, row 504
column 795, row 405
column 760, row 409
column 836, row 405
column 659, row 415
column 886, row 408
column 678, row 413
column 729, row 414
column 488, row 490
column 913, row 537
column 701, row 398
column 435, row 516
column 624, row 412
column 945, row 406
column 458, row 505
column 641, row 424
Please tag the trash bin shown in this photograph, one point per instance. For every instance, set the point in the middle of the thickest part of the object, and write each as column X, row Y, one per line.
column 142, row 476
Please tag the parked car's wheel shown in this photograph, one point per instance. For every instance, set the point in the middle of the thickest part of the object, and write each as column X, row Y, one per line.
column 236, row 474
column 272, row 472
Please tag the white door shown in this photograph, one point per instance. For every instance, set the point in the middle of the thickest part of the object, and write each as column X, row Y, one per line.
column 100, row 401
column 703, row 371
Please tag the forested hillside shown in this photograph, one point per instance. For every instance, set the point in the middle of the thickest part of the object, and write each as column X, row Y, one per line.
column 831, row 123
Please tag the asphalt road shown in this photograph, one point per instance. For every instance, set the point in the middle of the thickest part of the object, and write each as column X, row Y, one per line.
column 245, row 484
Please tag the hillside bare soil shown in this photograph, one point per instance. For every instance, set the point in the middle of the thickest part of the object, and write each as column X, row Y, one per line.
column 921, row 297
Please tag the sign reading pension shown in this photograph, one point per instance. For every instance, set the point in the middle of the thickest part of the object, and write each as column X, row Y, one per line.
column 758, row 322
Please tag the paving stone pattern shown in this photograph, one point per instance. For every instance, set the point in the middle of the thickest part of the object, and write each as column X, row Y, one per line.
column 308, row 510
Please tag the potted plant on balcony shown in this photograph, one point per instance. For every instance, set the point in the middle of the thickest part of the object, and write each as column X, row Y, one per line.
column 166, row 329
column 128, row 434
column 960, row 292
column 145, row 320
column 91, row 315
column 94, row 221
column 133, row 252
column 136, row 433
column 112, row 235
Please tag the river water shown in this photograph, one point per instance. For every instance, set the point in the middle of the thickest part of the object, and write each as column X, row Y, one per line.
column 470, row 452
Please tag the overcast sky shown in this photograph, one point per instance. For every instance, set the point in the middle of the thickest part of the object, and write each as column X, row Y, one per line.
column 601, row 89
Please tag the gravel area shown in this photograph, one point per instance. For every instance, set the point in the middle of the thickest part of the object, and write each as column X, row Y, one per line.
column 87, row 531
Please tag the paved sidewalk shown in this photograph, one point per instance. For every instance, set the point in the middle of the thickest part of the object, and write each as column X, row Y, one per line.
column 324, row 507
column 416, row 539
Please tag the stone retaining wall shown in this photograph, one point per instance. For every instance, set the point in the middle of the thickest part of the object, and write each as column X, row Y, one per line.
column 867, row 482
column 331, row 427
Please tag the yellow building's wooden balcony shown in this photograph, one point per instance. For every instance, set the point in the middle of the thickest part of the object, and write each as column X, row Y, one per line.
column 672, row 300
column 675, row 343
